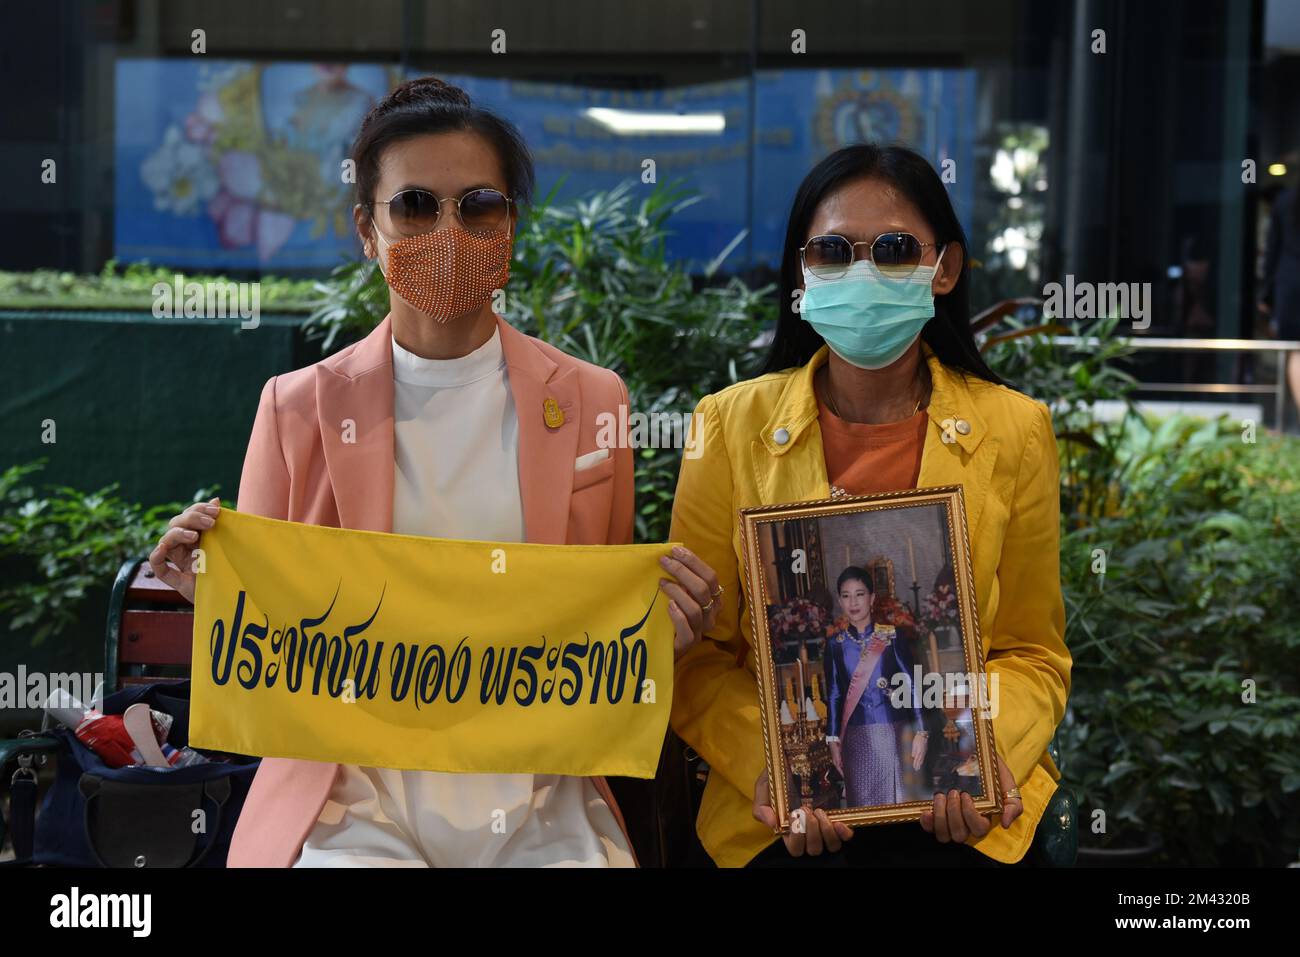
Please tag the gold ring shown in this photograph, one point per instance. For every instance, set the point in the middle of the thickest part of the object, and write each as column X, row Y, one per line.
column 716, row 593
column 1012, row 793
column 708, row 606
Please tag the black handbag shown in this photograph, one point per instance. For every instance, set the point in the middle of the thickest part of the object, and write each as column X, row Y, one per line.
column 97, row 816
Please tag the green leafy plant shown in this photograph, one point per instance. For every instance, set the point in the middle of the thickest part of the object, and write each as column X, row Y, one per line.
column 1072, row 380
column 347, row 305
column 1180, row 549
column 1186, row 706
column 60, row 545
column 130, row 287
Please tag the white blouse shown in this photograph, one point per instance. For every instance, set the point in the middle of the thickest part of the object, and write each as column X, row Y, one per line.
column 456, row 448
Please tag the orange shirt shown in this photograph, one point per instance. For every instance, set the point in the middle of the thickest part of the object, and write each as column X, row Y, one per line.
column 865, row 459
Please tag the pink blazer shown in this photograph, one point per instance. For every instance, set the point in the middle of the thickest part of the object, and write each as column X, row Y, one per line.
column 299, row 468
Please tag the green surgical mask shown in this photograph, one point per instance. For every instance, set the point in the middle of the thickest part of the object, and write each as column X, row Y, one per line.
column 867, row 319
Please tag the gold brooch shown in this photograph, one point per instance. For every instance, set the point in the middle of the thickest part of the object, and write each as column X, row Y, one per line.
column 552, row 414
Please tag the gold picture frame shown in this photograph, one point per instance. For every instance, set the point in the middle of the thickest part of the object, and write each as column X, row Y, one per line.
column 827, row 734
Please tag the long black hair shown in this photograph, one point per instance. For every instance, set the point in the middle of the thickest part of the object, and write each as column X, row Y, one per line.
column 948, row 333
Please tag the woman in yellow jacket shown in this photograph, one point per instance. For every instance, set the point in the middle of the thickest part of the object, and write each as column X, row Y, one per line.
column 874, row 384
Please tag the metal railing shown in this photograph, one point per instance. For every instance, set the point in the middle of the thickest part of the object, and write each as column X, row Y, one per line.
column 1282, row 347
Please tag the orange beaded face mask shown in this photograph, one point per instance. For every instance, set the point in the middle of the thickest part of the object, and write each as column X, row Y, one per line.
column 448, row 272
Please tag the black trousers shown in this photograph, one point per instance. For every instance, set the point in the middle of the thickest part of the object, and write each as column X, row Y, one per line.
column 884, row 845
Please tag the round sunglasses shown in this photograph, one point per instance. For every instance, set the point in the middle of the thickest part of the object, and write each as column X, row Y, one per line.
column 415, row 211
column 895, row 255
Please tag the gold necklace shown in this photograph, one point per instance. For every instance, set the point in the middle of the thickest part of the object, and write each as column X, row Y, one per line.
column 830, row 401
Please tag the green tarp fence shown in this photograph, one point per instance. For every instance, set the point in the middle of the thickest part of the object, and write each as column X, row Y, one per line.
column 161, row 406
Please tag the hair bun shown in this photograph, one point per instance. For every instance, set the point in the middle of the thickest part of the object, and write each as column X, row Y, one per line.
column 427, row 89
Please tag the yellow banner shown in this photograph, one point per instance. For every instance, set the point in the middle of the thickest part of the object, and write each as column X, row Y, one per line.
column 400, row 651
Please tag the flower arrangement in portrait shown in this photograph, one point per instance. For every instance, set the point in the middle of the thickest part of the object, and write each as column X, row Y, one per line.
column 939, row 609
column 798, row 616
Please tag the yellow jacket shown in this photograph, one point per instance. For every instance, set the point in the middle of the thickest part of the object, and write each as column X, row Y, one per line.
column 1006, row 461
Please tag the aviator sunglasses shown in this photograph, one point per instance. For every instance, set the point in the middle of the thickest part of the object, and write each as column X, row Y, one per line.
column 895, row 255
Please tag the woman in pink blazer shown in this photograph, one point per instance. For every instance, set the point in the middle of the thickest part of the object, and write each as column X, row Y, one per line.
column 443, row 421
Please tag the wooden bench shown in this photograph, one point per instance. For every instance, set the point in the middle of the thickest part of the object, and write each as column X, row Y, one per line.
column 149, row 636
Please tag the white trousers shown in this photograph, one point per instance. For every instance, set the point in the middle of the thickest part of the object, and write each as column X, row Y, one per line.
column 379, row 817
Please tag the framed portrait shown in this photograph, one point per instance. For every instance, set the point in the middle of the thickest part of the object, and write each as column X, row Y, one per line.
column 870, row 663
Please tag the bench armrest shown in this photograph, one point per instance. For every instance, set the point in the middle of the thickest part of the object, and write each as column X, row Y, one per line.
column 12, row 748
